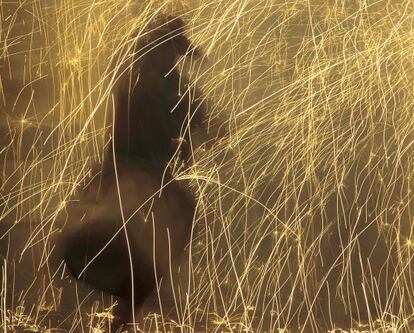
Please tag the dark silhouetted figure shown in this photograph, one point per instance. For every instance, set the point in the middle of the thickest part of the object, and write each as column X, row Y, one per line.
column 132, row 231
column 153, row 109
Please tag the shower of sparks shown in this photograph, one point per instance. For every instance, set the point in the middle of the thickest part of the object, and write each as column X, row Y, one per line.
column 304, row 185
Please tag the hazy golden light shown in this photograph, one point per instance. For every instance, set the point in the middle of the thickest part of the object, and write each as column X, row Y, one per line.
column 304, row 187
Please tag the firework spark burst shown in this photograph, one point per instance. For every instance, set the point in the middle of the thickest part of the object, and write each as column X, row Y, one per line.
column 304, row 216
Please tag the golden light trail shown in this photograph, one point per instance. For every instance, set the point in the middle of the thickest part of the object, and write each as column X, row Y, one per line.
column 304, row 185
